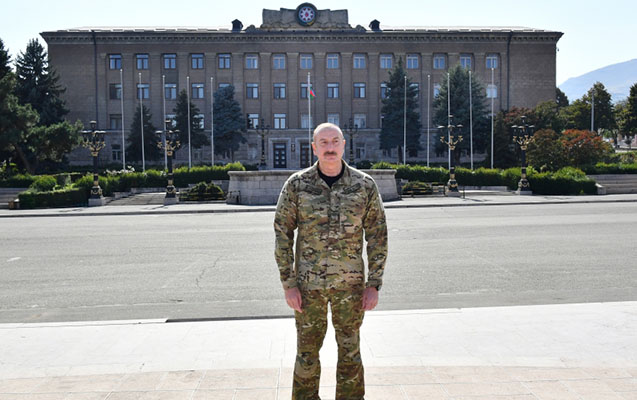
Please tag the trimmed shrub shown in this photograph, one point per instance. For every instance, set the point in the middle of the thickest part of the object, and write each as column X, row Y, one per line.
column 18, row 181
column 44, row 183
column 202, row 192
column 566, row 181
column 69, row 197
column 603, row 169
column 416, row 188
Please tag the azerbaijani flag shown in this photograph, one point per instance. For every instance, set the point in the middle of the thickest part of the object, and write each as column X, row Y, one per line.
column 312, row 94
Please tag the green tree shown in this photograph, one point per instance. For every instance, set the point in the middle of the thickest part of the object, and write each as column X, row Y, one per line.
column 393, row 110
column 38, row 85
column 504, row 155
column 547, row 115
column 197, row 136
column 459, row 82
column 629, row 125
column 5, row 60
column 134, row 148
column 578, row 114
column 229, row 123
column 560, row 98
column 584, row 147
column 546, row 151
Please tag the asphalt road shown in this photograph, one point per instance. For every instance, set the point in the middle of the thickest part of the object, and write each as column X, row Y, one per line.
column 222, row 265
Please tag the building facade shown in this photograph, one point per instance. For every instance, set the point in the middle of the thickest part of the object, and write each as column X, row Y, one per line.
column 110, row 70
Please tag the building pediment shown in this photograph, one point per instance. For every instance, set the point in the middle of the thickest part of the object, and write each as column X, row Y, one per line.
column 288, row 19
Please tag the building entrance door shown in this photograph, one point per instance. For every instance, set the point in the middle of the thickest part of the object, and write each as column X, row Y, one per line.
column 305, row 155
column 280, row 155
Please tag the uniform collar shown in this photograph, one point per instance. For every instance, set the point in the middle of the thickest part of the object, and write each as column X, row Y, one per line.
column 345, row 180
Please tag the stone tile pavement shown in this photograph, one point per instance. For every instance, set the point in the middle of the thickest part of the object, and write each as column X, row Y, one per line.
column 569, row 351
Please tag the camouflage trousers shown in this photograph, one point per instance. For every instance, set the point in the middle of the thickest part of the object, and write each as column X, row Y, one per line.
column 311, row 325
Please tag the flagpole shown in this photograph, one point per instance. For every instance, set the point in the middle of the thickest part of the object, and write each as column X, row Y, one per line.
column 309, row 122
column 212, row 122
column 470, row 121
column 405, row 123
column 448, row 118
column 140, row 91
column 163, row 84
column 189, row 147
column 428, row 117
column 492, row 97
column 593, row 110
column 121, row 85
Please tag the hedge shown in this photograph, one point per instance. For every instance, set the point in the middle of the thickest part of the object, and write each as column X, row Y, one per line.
column 616, row 168
column 202, row 192
column 57, row 198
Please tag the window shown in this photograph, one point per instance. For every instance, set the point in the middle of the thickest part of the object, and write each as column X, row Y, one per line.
column 360, row 151
column 223, row 85
column 440, row 61
column 115, row 121
column 306, row 121
column 332, row 61
column 116, row 152
column 359, row 61
column 197, row 90
column 360, row 120
column 359, row 90
column 384, row 90
column 465, row 61
column 200, row 120
column 417, row 87
column 492, row 91
column 278, row 61
column 252, row 120
column 170, row 91
column 386, row 61
column 333, row 119
column 114, row 61
column 304, row 90
column 279, row 121
column 332, row 90
column 412, row 61
column 252, row 90
column 115, row 91
column 279, row 91
column 252, row 61
column 436, row 89
column 170, row 61
column 492, row 61
column 306, row 61
column 224, row 61
column 143, row 91
column 141, row 61
column 196, row 61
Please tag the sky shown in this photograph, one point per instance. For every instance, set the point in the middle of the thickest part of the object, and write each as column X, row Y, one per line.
column 596, row 34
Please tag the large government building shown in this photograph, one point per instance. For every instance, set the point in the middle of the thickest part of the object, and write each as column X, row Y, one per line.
column 108, row 71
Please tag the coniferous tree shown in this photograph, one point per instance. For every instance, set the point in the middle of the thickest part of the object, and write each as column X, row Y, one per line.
column 229, row 122
column 38, row 85
column 5, row 60
column 629, row 128
column 560, row 98
column 134, row 147
column 393, row 128
column 578, row 114
column 459, row 82
column 197, row 136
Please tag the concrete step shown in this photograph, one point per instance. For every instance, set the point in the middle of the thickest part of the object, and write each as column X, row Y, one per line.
column 621, row 190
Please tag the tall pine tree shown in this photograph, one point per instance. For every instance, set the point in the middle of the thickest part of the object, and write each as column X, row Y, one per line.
column 38, row 85
column 229, row 123
column 459, row 92
column 197, row 136
column 629, row 130
column 392, row 132
column 151, row 138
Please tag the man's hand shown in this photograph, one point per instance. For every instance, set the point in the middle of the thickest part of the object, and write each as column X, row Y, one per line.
column 370, row 298
column 293, row 298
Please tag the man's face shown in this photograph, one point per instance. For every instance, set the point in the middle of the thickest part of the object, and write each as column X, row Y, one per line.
column 329, row 146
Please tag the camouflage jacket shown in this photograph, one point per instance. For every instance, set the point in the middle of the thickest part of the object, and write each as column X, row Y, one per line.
column 331, row 224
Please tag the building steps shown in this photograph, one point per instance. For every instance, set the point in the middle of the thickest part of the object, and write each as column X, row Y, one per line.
column 616, row 183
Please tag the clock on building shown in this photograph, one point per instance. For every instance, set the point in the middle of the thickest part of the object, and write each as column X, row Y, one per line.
column 306, row 14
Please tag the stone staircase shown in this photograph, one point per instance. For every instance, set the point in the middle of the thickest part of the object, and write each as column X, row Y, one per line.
column 616, row 183
column 9, row 194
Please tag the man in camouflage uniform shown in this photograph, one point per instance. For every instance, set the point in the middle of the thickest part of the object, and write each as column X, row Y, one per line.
column 332, row 205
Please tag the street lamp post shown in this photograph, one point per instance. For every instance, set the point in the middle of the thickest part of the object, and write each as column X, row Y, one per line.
column 451, row 142
column 262, row 129
column 351, row 129
column 94, row 141
column 523, row 135
column 170, row 146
